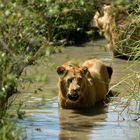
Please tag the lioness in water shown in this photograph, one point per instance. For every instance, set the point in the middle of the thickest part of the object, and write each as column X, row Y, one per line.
column 81, row 86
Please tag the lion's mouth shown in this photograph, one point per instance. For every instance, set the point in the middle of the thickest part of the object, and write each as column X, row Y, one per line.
column 73, row 97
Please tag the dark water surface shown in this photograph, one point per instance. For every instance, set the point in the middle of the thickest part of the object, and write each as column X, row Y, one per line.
column 46, row 121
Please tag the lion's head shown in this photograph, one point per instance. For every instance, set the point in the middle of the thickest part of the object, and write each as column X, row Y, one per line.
column 72, row 81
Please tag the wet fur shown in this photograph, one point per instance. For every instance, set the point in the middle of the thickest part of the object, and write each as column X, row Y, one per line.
column 94, row 86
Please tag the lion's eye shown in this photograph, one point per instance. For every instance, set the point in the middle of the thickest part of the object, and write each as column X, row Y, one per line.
column 69, row 80
column 79, row 79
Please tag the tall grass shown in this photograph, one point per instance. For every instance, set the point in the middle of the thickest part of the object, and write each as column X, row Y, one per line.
column 129, row 45
column 127, row 102
column 129, row 37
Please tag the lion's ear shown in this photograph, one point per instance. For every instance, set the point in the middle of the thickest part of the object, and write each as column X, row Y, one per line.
column 61, row 70
column 84, row 70
column 110, row 71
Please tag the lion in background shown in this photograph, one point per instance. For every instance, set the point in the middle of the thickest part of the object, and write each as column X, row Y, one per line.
column 81, row 86
column 106, row 23
column 112, row 21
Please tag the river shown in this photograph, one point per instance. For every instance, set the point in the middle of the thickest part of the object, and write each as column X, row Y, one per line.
column 44, row 120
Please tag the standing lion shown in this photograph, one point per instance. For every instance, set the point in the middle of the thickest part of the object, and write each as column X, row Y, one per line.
column 81, row 86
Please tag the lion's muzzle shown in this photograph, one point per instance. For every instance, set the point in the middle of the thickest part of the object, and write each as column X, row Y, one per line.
column 73, row 95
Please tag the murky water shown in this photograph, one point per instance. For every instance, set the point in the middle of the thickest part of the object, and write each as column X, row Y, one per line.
column 46, row 121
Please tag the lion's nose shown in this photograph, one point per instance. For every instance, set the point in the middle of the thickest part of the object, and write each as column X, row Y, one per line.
column 73, row 95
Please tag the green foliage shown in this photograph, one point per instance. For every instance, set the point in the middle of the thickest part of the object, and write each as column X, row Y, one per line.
column 27, row 25
column 25, row 28
column 8, row 82
column 62, row 19
column 20, row 114
column 19, row 29
column 129, row 45
column 125, row 2
column 129, row 37
column 8, row 130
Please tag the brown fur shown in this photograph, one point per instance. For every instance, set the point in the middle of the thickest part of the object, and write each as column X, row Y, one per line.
column 110, row 25
column 81, row 86
column 106, row 23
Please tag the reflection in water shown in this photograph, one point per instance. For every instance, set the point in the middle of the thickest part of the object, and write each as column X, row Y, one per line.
column 51, row 123
column 79, row 124
column 44, row 121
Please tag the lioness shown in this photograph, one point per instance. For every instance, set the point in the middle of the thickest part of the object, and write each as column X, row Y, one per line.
column 81, row 86
column 114, row 22
column 106, row 23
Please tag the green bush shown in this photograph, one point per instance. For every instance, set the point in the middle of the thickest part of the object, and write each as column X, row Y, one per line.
column 64, row 19
column 8, row 130
column 129, row 37
column 28, row 26
column 25, row 28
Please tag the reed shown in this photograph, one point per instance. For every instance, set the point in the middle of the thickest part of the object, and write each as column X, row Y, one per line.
column 128, row 42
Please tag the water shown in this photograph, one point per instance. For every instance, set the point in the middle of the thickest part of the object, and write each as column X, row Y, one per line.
column 44, row 120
